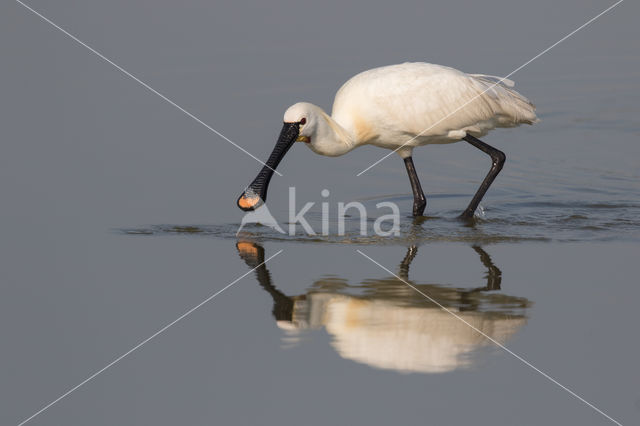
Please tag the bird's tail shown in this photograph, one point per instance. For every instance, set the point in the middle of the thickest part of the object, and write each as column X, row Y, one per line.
column 515, row 108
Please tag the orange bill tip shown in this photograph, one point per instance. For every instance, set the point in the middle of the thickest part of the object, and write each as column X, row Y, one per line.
column 248, row 203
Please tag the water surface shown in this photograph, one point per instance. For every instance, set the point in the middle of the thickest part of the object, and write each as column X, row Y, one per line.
column 118, row 215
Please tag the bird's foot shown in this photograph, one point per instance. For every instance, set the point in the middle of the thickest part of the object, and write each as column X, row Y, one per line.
column 418, row 208
column 467, row 216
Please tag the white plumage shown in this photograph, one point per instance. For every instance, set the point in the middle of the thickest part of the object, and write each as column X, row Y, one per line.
column 428, row 103
column 399, row 107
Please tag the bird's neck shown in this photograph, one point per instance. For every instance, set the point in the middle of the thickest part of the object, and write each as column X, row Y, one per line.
column 332, row 138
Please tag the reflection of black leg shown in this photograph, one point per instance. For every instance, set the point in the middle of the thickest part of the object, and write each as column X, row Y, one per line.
column 494, row 280
column 419, row 200
column 406, row 262
column 494, row 274
column 497, row 158
column 253, row 255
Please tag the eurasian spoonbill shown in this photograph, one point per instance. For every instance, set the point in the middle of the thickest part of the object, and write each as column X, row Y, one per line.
column 399, row 107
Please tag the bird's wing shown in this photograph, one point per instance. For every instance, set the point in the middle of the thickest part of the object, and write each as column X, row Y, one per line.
column 427, row 99
column 494, row 79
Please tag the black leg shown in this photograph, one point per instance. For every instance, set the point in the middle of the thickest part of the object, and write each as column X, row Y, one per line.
column 419, row 200
column 497, row 159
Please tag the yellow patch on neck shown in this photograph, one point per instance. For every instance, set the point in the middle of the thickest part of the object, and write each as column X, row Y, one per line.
column 362, row 129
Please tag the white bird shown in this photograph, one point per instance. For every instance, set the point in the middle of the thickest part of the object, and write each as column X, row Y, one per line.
column 400, row 107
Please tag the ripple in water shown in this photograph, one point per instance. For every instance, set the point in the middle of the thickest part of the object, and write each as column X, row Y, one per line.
column 507, row 222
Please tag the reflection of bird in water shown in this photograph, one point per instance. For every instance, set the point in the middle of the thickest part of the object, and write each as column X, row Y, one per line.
column 391, row 326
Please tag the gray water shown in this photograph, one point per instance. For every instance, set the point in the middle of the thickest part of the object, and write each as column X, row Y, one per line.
column 118, row 216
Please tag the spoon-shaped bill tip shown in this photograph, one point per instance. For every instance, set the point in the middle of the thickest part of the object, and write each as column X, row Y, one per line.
column 249, row 201
column 256, row 193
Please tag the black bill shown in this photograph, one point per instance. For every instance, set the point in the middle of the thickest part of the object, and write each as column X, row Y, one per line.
column 256, row 193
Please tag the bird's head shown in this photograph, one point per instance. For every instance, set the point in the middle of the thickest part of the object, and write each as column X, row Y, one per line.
column 300, row 124
column 321, row 133
column 306, row 116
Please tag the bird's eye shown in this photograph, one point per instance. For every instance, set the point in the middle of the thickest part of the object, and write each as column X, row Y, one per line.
column 303, row 121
